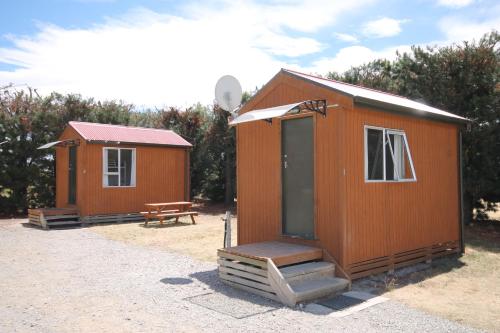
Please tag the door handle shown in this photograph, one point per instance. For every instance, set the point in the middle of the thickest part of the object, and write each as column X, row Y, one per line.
column 285, row 164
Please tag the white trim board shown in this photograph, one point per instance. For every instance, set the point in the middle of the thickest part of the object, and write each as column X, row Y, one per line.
column 385, row 135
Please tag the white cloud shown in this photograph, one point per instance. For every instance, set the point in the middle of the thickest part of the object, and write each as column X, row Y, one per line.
column 297, row 15
column 287, row 46
column 384, row 27
column 457, row 29
column 346, row 37
column 148, row 58
column 354, row 56
column 455, row 3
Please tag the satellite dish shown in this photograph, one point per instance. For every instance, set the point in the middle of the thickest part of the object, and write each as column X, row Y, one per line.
column 228, row 93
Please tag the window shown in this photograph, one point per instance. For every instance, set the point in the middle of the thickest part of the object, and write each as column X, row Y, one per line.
column 118, row 167
column 387, row 155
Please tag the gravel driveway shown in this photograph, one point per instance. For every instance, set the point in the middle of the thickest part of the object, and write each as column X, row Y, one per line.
column 73, row 280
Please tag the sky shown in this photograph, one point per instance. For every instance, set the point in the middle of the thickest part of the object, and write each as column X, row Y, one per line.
column 159, row 53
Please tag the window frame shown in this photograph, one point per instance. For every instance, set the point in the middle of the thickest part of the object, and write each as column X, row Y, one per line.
column 105, row 172
column 385, row 133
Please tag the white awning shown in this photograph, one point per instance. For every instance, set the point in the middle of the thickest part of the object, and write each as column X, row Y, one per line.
column 59, row 143
column 263, row 114
column 49, row 145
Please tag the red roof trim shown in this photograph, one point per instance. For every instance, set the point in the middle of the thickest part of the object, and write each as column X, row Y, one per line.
column 96, row 132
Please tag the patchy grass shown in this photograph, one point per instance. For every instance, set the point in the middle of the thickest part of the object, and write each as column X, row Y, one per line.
column 200, row 240
column 464, row 289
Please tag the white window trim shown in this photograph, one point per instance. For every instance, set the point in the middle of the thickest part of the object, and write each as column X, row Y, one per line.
column 105, row 167
column 385, row 132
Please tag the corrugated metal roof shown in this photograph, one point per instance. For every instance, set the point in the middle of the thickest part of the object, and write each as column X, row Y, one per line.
column 127, row 134
column 262, row 114
column 378, row 98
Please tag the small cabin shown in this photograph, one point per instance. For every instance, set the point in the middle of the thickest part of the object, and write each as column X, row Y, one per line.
column 332, row 172
column 108, row 172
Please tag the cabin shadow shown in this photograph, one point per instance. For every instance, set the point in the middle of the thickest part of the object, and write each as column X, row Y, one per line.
column 176, row 281
column 151, row 225
column 211, row 209
column 157, row 225
column 60, row 227
column 483, row 235
column 211, row 279
column 31, row 226
column 384, row 282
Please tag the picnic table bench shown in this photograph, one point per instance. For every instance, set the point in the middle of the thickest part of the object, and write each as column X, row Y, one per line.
column 164, row 210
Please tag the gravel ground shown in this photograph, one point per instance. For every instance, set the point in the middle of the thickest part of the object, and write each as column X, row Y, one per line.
column 74, row 280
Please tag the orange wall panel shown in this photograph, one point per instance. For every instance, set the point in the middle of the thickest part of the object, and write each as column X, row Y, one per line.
column 390, row 217
column 259, row 169
column 62, row 166
column 161, row 176
column 354, row 220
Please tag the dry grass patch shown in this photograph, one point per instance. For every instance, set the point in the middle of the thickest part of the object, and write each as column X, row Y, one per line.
column 200, row 240
column 465, row 289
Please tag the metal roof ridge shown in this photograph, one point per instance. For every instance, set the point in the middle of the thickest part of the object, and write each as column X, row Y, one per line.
column 348, row 84
column 442, row 113
column 123, row 126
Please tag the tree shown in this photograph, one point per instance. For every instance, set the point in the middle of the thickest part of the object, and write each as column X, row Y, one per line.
column 221, row 142
column 192, row 125
column 27, row 121
column 221, row 149
column 377, row 74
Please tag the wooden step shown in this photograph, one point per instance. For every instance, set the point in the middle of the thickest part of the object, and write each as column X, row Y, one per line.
column 311, row 289
column 48, row 217
column 308, row 270
column 280, row 253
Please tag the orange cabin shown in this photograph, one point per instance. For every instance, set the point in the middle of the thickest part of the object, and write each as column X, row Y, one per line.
column 109, row 169
column 370, row 177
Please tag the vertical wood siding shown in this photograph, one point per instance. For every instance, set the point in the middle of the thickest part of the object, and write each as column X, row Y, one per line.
column 160, row 177
column 259, row 169
column 258, row 182
column 62, row 171
column 354, row 220
column 390, row 217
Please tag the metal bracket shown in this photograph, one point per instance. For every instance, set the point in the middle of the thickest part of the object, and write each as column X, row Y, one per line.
column 67, row 143
column 318, row 105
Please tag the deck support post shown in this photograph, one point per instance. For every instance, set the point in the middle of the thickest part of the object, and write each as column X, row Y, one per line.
column 227, row 230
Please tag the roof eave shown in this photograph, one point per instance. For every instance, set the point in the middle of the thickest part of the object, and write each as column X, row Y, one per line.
column 388, row 107
column 316, row 83
column 103, row 142
column 70, row 124
column 401, row 110
column 258, row 92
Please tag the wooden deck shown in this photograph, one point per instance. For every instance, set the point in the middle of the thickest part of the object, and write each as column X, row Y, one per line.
column 54, row 211
column 47, row 217
column 54, row 217
column 280, row 253
column 285, row 272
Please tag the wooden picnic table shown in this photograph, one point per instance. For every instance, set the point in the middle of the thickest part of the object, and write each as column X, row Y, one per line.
column 164, row 210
